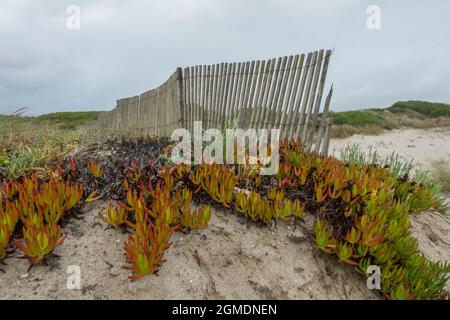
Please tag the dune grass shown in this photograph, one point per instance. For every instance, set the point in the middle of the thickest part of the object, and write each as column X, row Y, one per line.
column 356, row 118
column 68, row 120
column 428, row 109
column 26, row 143
column 441, row 172
column 404, row 114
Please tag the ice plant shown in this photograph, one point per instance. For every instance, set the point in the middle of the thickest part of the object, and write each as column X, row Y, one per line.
column 254, row 207
column 323, row 237
column 39, row 204
column 144, row 250
column 8, row 189
column 9, row 216
column 4, row 241
column 95, row 169
column 217, row 181
column 195, row 219
column 114, row 215
column 39, row 241
column 298, row 210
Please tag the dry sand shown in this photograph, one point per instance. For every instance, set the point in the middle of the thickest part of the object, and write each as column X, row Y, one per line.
column 421, row 146
column 231, row 259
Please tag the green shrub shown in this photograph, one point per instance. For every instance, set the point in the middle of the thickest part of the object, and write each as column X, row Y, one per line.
column 356, row 118
column 428, row 109
column 68, row 120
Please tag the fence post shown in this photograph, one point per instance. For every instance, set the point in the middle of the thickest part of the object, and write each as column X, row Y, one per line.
column 180, row 93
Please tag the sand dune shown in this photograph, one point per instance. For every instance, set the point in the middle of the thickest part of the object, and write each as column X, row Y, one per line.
column 231, row 259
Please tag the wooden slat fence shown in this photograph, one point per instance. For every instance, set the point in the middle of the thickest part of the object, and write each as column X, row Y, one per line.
column 284, row 93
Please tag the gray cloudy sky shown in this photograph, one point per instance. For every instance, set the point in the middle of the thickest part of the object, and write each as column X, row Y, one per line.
column 127, row 47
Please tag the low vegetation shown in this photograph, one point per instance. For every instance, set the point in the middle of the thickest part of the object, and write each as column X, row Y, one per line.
column 441, row 173
column 436, row 182
column 428, row 109
column 27, row 143
column 35, row 207
column 409, row 114
column 357, row 118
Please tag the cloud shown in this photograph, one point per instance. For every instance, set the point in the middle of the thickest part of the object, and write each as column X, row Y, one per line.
column 127, row 47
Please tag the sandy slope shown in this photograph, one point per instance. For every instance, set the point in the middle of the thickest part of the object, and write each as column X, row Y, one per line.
column 421, row 146
column 231, row 259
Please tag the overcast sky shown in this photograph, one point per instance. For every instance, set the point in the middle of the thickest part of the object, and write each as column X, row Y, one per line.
column 124, row 48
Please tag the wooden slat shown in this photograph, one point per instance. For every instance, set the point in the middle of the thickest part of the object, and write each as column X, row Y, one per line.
column 265, row 69
column 144, row 111
column 215, row 94
column 327, row 139
column 244, row 91
column 162, row 110
column 227, row 94
column 230, row 77
column 287, row 108
column 233, row 87
column 308, row 119
column 306, row 95
column 221, row 88
column 266, row 93
column 187, row 96
column 197, row 93
column 318, row 99
column 175, row 106
column 235, row 101
column 167, row 103
column 243, row 112
column 156, row 114
column 154, row 110
column 280, row 104
column 206, row 105
column 193, row 95
column 321, row 137
column 202, row 95
column 274, row 92
column 239, row 92
column 191, row 98
column 253, row 93
column 303, row 72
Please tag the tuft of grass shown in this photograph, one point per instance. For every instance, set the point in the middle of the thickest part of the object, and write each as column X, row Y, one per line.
column 441, row 172
column 353, row 154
